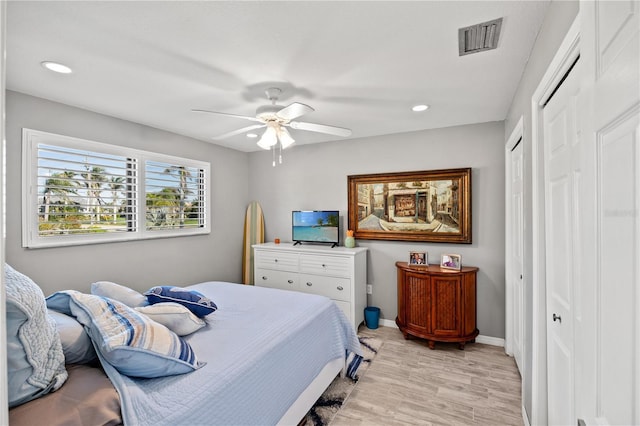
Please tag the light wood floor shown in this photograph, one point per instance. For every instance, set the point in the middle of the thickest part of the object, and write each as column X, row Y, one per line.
column 408, row 383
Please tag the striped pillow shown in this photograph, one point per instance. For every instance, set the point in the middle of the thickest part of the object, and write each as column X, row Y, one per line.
column 130, row 341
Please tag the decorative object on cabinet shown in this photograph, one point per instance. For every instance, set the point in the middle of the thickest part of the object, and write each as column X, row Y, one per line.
column 418, row 258
column 350, row 241
column 451, row 261
column 437, row 304
column 433, row 206
column 339, row 273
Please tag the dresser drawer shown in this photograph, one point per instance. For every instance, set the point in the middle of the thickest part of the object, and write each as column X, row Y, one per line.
column 267, row 259
column 332, row 287
column 344, row 307
column 276, row 279
column 325, row 265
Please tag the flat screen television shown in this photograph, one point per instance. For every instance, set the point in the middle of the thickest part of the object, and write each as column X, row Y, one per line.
column 315, row 226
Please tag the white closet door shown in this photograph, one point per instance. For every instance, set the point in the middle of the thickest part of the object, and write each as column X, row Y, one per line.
column 516, row 254
column 608, row 329
column 562, row 146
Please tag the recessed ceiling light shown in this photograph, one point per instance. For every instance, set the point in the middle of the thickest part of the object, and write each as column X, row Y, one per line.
column 56, row 67
column 419, row 108
column 252, row 135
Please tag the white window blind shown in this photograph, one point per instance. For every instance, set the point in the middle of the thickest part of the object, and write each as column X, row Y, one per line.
column 79, row 192
column 173, row 194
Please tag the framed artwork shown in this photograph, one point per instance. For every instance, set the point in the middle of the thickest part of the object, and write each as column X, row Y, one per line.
column 431, row 206
column 451, row 261
column 418, row 258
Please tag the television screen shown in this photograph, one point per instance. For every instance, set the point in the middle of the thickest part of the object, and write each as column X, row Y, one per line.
column 319, row 226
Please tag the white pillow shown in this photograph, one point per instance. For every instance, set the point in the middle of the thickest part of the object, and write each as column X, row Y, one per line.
column 76, row 343
column 119, row 292
column 174, row 316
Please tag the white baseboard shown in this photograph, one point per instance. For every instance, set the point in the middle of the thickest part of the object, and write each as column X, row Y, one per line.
column 525, row 418
column 388, row 323
column 487, row 340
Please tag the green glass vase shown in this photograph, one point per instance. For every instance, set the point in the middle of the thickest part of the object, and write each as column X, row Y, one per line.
column 350, row 242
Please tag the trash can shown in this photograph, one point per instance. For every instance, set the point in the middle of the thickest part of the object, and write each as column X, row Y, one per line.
column 371, row 316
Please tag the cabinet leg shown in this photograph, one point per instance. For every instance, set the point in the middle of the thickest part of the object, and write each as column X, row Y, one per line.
column 432, row 344
column 461, row 346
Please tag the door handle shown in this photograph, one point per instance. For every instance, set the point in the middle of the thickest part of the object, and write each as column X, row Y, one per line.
column 557, row 317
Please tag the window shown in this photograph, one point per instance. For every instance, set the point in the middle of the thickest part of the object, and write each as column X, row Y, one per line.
column 82, row 192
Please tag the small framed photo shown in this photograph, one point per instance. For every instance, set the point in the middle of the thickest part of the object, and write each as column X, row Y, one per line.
column 418, row 258
column 451, row 261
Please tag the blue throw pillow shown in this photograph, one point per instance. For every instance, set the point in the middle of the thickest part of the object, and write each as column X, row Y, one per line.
column 197, row 302
column 134, row 344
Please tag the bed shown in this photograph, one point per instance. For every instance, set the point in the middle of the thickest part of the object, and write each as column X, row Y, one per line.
column 264, row 356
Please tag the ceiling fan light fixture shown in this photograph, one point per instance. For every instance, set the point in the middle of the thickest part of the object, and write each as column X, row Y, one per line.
column 252, row 135
column 268, row 139
column 285, row 138
column 420, row 108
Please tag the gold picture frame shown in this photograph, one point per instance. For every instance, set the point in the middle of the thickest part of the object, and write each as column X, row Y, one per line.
column 451, row 261
column 429, row 206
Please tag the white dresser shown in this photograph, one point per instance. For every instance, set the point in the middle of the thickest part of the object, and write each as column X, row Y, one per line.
column 339, row 273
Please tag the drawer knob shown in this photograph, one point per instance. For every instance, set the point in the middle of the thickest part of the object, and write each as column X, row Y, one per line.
column 275, row 260
column 264, row 278
column 324, row 266
column 290, row 281
column 309, row 284
column 340, row 288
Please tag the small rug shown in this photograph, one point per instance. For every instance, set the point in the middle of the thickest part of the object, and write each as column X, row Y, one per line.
column 327, row 406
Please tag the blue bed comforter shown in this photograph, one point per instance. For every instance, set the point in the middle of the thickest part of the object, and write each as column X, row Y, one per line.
column 262, row 348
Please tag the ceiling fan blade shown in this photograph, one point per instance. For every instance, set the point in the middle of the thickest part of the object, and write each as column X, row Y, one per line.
column 294, row 110
column 320, row 128
column 245, row 117
column 239, row 131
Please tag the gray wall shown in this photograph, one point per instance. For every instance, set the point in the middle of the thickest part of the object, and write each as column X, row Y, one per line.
column 315, row 177
column 559, row 18
column 137, row 264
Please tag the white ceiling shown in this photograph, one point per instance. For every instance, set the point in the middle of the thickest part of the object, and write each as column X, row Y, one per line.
column 361, row 65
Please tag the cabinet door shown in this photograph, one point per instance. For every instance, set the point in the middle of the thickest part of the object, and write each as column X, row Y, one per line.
column 416, row 300
column 276, row 279
column 445, row 306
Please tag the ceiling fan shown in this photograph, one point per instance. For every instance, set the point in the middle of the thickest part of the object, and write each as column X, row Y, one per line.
column 276, row 118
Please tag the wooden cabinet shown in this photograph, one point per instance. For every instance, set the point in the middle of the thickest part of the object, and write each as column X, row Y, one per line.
column 437, row 304
column 339, row 273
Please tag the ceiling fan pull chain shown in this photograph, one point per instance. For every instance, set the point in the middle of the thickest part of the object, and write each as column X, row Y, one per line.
column 273, row 151
column 280, row 153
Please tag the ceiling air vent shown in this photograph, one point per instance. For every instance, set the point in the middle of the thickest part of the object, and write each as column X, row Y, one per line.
column 477, row 38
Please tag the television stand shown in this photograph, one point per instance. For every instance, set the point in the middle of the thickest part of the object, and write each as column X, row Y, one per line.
column 297, row 242
column 338, row 273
